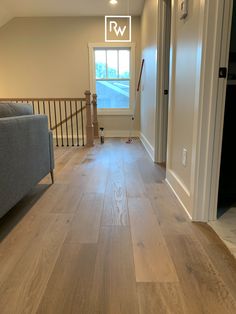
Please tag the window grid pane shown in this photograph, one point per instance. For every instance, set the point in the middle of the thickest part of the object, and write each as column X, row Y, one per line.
column 118, row 63
column 100, row 61
column 124, row 64
column 112, row 64
column 113, row 78
column 113, row 94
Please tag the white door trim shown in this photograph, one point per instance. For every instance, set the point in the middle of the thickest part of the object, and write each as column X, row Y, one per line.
column 161, row 105
column 172, row 75
column 208, row 123
column 220, row 108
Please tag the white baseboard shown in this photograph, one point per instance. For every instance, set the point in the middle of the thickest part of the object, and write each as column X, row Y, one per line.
column 180, row 191
column 121, row 133
column 147, row 145
column 107, row 133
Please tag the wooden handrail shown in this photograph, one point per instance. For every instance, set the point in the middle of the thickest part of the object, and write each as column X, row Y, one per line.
column 67, row 118
column 42, row 99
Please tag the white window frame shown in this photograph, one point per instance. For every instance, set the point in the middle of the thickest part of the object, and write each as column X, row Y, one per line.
column 131, row 46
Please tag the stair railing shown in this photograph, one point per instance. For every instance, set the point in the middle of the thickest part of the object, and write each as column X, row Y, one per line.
column 73, row 121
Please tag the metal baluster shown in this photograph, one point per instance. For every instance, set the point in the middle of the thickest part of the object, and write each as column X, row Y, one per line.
column 44, row 111
column 71, row 120
column 67, row 139
column 77, row 124
column 38, row 107
column 82, row 121
column 55, row 114
column 62, row 140
column 33, row 106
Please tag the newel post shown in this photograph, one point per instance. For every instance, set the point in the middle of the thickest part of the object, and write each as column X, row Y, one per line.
column 95, row 115
column 89, row 126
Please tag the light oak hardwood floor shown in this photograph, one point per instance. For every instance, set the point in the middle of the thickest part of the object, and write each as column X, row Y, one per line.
column 109, row 237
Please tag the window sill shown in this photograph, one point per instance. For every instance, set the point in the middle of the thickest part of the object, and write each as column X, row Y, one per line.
column 115, row 112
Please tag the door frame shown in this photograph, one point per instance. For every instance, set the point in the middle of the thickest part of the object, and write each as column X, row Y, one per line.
column 220, row 108
column 209, row 103
column 208, row 122
column 163, row 55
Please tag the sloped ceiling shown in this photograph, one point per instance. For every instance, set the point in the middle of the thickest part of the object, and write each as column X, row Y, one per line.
column 36, row 8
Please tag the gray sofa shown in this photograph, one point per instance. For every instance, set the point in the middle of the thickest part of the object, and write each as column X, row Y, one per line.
column 26, row 152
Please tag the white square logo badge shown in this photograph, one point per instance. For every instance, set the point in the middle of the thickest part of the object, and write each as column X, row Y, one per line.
column 118, row 28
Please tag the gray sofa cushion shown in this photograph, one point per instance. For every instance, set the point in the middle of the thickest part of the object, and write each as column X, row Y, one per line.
column 24, row 157
column 12, row 110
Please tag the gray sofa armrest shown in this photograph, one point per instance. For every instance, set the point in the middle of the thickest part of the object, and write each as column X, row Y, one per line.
column 24, row 156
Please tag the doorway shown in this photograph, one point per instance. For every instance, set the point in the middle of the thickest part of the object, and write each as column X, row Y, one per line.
column 227, row 180
column 223, row 198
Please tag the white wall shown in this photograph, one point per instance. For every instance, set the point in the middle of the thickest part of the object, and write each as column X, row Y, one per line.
column 48, row 57
column 149, row 80
column 186, row 47
column 194, row 117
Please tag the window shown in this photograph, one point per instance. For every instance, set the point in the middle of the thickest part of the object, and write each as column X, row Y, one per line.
column 111, row 78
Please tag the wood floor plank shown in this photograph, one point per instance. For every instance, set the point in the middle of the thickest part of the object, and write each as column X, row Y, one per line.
column 63, row 160
column 114, row 288
column 218, row 254
column 115, row 203
column 76, row 247
column 151, row 256
column 97, row 179
column 134, row 151
column 59, row 151
column 14, row 217
column 23, row 289
column 163, row 298
column 150, row 172
column 172, row 218
column 65, row 170
column 14, row 246
column 203, row 287
column 50, row 199
column 68, row 200
column 86, row 222
column 70, row 284
column 133, row 181
column 91, row 175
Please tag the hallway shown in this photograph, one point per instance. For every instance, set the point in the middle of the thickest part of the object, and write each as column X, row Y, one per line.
column 109, row 237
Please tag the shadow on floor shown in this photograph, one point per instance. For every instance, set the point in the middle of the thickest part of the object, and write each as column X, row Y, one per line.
column 15, row 215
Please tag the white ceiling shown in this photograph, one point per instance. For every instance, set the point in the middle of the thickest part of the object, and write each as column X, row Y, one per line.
column 26, row 8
